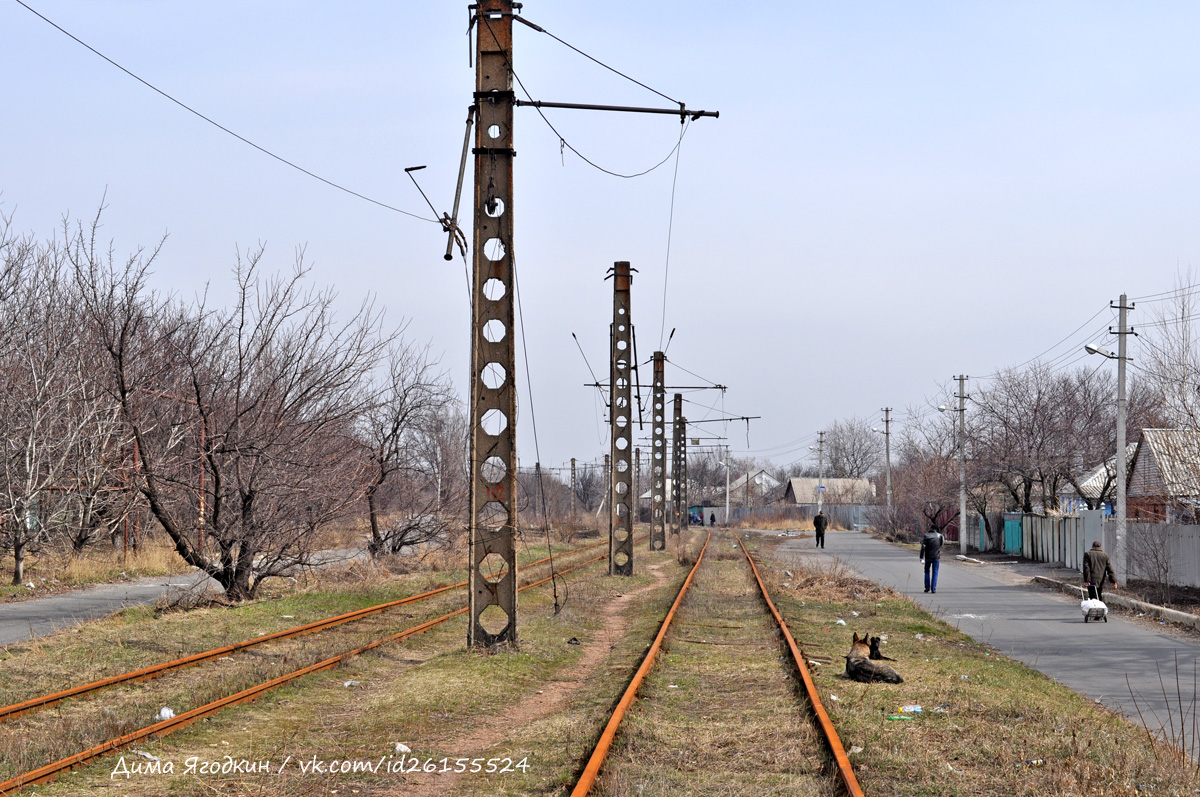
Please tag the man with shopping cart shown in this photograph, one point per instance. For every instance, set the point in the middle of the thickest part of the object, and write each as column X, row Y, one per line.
column 1096, row 570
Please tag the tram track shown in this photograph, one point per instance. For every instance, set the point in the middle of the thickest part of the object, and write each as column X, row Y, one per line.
column 50, row 771
column 704, row 667
column 15, row 710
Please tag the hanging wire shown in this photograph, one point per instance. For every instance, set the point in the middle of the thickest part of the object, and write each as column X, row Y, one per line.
column 533, row 422
column 614, row 70
column 220, row 126
column 562, row 139
column 670, row 229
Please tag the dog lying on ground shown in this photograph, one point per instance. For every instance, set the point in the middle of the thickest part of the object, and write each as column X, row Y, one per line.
column 860, row 667
column 876, row 655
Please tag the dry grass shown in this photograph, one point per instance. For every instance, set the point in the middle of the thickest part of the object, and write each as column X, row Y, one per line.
column 426, row 693
column 773, row 522
column 990, row 726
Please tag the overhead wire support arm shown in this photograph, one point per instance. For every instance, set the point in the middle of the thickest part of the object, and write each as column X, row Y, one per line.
column 681, row 111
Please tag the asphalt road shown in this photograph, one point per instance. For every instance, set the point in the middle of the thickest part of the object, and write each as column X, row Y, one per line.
column 1043, row 629
column 37, row 617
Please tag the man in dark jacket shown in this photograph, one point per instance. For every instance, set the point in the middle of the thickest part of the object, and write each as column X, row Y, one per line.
column 1096, row 569
column 931, row 555
column 820, row 523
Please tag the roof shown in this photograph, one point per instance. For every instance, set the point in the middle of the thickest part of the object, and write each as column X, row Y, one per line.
column 1104, row 475
column 837, row 491
column 1166, row 463
column 760, row 480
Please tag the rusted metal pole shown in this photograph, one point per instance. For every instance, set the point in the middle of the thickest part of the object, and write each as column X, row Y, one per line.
column 658, row 458
column 493, row 507
column 620, row 525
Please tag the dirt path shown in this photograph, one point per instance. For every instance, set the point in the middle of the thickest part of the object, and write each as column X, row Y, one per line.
column 551, row 698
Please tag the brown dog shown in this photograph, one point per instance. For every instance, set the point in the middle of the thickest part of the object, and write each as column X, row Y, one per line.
column 859, row 666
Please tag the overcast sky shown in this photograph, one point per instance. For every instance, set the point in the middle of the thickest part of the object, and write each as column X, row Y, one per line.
column 894, row 193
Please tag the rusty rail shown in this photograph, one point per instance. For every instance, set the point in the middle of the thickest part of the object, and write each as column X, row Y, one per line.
column 156, row 670
column 592, row 769
column 51, row 771
column 845, row 770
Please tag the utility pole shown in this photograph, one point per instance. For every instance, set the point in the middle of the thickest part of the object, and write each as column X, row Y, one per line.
column 677, row 432
column 686, row 513
column 887, row 449
column 573, row 488
column 1120, row 550
column 637, row 484
column 620, row 524
column 820, row 470
column 727, row 485
column 962, row 463
column 606, row 500
column 493, row 508
column 658, row 457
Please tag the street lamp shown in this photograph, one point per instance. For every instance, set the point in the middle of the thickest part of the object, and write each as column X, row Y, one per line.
column 1121, row 358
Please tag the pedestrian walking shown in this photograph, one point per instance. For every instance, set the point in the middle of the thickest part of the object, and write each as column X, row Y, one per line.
column 712, row 518
column 931, row 556
column 820, row 523
column 1096, row 569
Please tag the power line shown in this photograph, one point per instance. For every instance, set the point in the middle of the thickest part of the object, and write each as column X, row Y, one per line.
column 568, row 45
column 670, row 229
column 218, row 125
column 561, row 139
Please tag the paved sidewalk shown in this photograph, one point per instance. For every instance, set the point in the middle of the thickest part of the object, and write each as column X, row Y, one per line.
column 37, row 617
column 996, row 605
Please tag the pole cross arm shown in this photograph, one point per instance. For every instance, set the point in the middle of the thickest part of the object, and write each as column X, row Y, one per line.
column 681, row 111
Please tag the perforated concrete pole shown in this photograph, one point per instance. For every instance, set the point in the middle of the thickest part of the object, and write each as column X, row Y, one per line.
column 493, row 508
column 621, row 497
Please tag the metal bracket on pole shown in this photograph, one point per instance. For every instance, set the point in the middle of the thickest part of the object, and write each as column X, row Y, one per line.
column 658, row 458
column 493, row 507
column 620, row 527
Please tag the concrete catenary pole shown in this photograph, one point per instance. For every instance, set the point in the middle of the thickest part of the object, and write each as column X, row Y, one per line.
column 727, row 485
column 574, row 488
column 637, row 485
column 492, row 507
column 658, row 458
column 962, row 462
column 677, row 432
column 622, row 499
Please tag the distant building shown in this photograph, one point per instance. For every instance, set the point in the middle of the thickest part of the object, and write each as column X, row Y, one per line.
column 753, row 489
column 803, row 491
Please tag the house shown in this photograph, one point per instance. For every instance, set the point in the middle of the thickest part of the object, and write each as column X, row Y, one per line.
column 837, row 491
column 1164, row 477
column 751, row 488
column 1096, row 483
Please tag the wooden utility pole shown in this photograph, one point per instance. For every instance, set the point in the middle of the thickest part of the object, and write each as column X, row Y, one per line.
column 493, row 456
column 620, row 525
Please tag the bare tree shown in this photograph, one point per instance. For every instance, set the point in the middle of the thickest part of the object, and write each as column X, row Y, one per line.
column 852, row 449
column 244, row 418
column 49, row 415
column 401, row 438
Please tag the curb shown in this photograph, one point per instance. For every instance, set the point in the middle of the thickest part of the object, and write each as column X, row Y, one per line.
column 1172, row 615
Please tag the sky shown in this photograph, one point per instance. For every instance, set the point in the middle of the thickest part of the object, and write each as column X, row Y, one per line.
column 894, row 193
